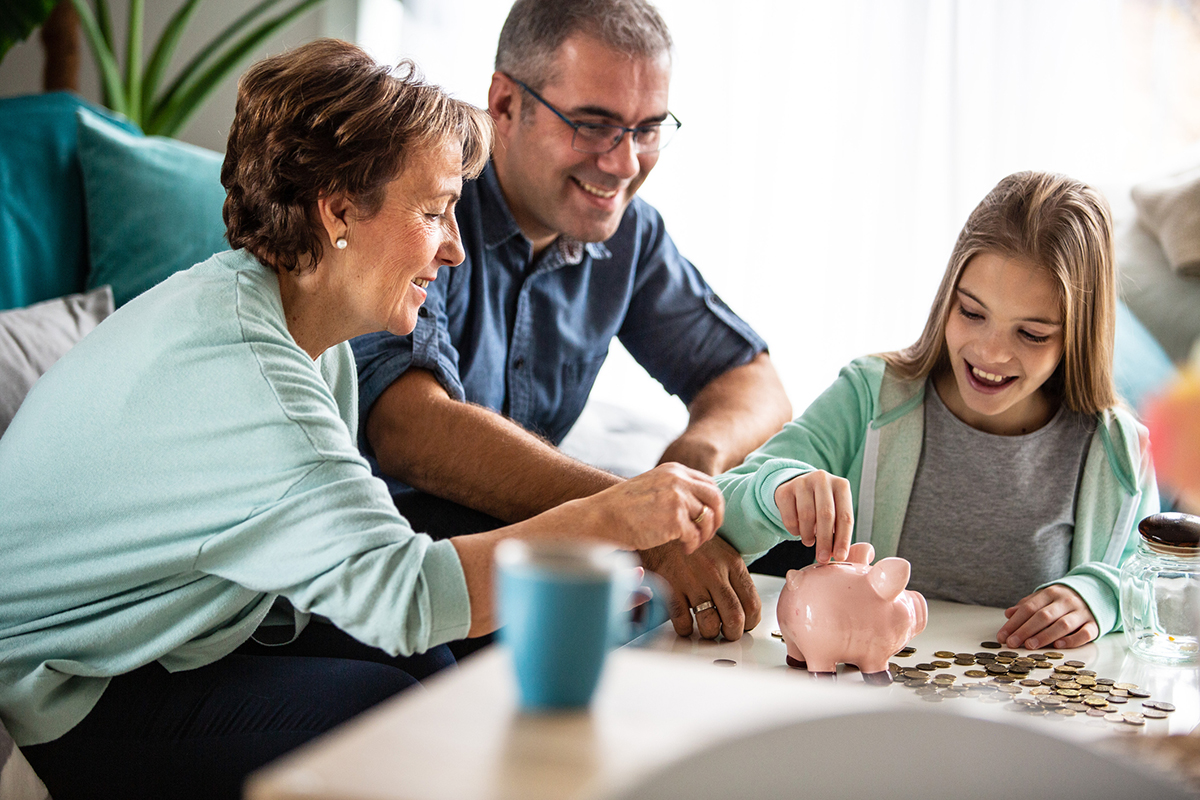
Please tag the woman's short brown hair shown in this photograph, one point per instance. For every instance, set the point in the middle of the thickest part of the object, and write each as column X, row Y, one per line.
column 325, row 118
column 1064, row 227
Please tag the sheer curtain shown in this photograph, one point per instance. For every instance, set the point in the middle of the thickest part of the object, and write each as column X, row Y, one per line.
column 831, row 150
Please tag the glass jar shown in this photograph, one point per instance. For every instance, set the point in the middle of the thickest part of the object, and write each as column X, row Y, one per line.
column 1160, row 590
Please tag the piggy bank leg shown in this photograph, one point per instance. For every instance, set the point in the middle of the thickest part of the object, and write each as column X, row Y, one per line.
column 877, row 678
column 795, row 658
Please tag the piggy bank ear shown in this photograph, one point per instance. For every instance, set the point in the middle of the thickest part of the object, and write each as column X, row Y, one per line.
column 793, row 578
column 889, row 577
column 861, row 553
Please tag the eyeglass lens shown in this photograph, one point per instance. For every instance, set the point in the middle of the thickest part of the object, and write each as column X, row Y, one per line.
column 590, row 138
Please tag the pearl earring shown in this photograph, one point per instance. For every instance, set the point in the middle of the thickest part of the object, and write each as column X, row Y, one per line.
column 341, row 243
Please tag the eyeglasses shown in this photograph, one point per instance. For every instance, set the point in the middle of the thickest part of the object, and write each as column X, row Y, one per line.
column 592, row 137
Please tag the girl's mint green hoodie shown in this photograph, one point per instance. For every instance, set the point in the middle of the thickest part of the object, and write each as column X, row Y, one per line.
column 869, row 426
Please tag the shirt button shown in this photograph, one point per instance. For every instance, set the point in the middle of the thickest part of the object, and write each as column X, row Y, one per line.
column 423, row 311
column 519, row 363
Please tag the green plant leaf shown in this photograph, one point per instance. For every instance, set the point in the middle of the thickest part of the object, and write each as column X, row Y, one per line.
column 133, row 61
column 192, row 67
column 104, row 20
column 106, row 62
column 157, row 65
column 177, row 109
column 19, row 18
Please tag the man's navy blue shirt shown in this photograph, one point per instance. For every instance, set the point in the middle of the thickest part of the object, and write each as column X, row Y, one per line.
column 526, row 337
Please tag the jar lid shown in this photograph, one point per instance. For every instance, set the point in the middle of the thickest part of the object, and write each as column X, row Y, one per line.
column 1174, row 532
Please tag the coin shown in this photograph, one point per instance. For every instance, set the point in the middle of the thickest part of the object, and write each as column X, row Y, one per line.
column 1051, row 700
column 1004, row 659
column 724, row 662
column 1097, row 712
column 1067, row 692
column 777, row 634
column 1161, row 705
column 925, row 666
column 1138, row 693
column 1075, row 663
column 1040, row 690
column 1114, row 716
column 1117, row 701
column 914, row 673
column 1010, row 689
column 1080, row 707
column 1105, row 681
column 1030, row 682
column 941, row 664
column 964, row 655
column 976, row 673
column 932, row 698
column 997, row 669
column 1049, row 682
column 893, row 667
column 1066, row 712
column 991, row 645
column 1090, row 673
column 906, row 651
column 1097, row 702
column 1118, row 692
column 1066, row 685
column 1154, row 713
column 1134, row 717
column 985, row 656
column 1038, row 656
column 943, row 681
column 943, row 654
column 1065, row 670
column 1085, row 680
column 1053, row 654
column 1099, row 689
column 1125, row 686
column 1019, row 669
column 1004, row 679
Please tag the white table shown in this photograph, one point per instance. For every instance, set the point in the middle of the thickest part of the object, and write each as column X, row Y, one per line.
column 663, row 703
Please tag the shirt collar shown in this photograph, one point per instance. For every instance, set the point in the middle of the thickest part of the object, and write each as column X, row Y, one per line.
column 499, row 225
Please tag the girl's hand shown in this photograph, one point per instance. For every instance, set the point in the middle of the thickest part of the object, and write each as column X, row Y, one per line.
column 1053, row 617
column 817, row 507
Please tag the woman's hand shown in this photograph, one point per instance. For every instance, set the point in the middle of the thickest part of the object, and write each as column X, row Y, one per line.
column 667, row 503
column 1052, row 617
column 818, row 508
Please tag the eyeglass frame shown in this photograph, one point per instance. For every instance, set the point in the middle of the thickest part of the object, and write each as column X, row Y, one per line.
column 575, row 126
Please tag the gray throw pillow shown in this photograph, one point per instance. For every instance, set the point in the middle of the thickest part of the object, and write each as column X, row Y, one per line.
column 34, row 337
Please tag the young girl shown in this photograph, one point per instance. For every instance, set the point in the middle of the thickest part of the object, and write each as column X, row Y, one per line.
column 991, row 453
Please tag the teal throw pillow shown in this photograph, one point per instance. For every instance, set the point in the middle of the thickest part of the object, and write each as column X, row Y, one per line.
column 153, row 206
column 43, row 248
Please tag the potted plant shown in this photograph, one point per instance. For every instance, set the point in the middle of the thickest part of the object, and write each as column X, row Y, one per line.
column 135, row 89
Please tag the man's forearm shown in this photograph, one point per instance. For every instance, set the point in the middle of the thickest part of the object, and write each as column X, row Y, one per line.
column 731, row 416
column 472, row 455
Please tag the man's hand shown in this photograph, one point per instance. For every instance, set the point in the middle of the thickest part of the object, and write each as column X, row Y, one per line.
column 1053, row 617
column 818, row 507
column 715, row 572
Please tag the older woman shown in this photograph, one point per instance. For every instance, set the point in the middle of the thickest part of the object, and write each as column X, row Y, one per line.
column 184, row 486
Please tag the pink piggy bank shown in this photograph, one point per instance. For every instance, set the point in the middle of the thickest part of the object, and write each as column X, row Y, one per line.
column 850, row 612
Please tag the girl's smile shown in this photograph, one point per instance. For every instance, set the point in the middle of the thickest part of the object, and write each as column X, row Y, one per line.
column 1004, row 337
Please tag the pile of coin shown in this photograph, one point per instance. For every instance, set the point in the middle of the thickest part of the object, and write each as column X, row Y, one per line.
column 1041, row 684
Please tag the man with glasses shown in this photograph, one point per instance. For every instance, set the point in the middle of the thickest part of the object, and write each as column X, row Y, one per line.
column 464, row 415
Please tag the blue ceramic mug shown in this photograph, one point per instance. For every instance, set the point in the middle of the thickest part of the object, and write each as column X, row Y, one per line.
column 563, row 606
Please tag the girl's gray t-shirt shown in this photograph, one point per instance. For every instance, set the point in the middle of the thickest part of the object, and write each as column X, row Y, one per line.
column 990, row 517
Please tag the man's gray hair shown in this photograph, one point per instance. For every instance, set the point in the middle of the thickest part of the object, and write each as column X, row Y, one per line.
column 535, row 29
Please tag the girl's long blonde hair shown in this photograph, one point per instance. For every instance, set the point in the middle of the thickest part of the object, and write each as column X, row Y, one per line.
column 1063, row 226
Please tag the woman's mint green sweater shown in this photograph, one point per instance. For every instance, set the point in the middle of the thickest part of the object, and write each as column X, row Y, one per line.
column 868, row 428
column 173, row 474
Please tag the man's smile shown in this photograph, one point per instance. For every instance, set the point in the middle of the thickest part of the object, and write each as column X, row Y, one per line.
column 594, row 190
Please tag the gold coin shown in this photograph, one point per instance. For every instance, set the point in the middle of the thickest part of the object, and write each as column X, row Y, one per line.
column 949, row 675
column 1125, row 686
column 925, row 666
column 1138, row 693
column 1052, row 654
column 1134, row 717
column 1076, row 664
column 1162, row 705
column 1098, row 689
column 964, row 656
column 1004, row 679
column 893, row 667
column 1095, row 702
column 1023, row 660
column 943, row 654
column 1067, row 685
column 1004, row 659
column 997, row 669
column 1039, row 690
column 1010, row 689
column 1080, row 707
column 1065, row 670
column 1154, row 713
column 1105, row 681
column 1038, row 656
column 941, row 664
column 777, row 634
column 976, row 673
column 1030, row 682
column 1091, row 673
column 1097, row 712
column 1085, row 680
column 991, row 645
column 1114, row 716
column 943, row 681
column 1051, row 700
column 1067, row 692
column 1066, row 712
column 1117, row 701
column 914, row 673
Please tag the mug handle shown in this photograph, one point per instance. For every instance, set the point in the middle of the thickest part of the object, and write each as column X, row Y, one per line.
column 647, row 616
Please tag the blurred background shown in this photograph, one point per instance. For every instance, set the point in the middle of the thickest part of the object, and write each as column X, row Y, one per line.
column 830, row 151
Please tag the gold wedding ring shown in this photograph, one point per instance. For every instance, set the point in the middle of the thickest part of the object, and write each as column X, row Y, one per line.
column 705, row 606
column 700, row 517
